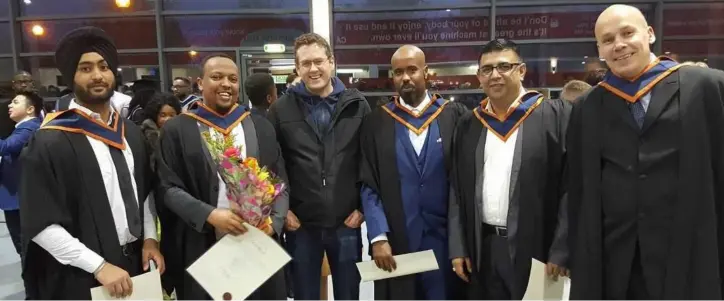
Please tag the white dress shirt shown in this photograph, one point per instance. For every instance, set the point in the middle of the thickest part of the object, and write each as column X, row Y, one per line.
column 67, row 249
column 121, row 103
column 418, row 141
column 498, row 165
column 240, row 142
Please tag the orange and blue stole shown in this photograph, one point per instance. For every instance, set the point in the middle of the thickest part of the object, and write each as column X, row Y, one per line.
column 506, row 125
column 632, row 90
column 76, row 121
column 416, row 123
column 224, row 124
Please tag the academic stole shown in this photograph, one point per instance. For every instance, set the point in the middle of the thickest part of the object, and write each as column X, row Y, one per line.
column 77, row 121
column 632, row 90
column 224, row 124
column 506, row 125
column 416, row 123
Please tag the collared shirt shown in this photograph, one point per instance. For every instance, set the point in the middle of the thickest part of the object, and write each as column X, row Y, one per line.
column 24, row 120
column 646, row 99
column 498, row 165
column 67, row 249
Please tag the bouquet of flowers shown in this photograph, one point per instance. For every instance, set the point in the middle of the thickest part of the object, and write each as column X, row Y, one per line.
column 251, row 189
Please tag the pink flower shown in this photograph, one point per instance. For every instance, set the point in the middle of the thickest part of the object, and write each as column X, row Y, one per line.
column 232, row 152
column 226, row 164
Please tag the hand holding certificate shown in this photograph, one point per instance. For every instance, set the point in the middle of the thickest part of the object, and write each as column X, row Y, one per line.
column 407, row 264
column 237, row 265
column 541, row 286
column 145, row 287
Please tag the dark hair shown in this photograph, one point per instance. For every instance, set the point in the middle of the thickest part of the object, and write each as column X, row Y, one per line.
column 153, row 107
column 257, row 87
column 499, row 45
column 141, row 99
column 291, row 77
column 34, row 100
column 184, row 79
column 309, row 39
column 211, row 56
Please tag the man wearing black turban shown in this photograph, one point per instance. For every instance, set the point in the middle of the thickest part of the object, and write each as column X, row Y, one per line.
column 86, row 218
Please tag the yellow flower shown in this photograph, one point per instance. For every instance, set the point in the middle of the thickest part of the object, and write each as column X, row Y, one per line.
column 264, row 175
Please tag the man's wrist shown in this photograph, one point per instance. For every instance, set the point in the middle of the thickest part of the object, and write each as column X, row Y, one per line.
column 99, row 268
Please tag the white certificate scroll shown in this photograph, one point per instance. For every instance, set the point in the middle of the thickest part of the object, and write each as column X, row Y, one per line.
column 146, row 287
column 407, row 264
column 238, row 265
column 542, row 287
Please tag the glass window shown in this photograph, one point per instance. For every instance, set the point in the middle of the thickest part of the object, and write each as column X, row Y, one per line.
column 693, row 19
column 708, row 51
column 5, row 36
column 137, row 66
column 127, row 33
column 188, row 64
column 192, row 5
column 552, row 22
column 233, row 30
column 78, row 7
column 416, row 27
column 382, row 4
column 6, row 77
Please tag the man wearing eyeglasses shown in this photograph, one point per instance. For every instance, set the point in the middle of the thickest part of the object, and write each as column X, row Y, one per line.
column 317, row 124
column 508, row 176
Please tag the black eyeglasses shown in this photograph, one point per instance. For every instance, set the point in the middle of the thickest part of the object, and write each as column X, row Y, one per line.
column 502, row 68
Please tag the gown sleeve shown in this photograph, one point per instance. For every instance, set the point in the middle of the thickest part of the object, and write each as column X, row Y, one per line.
column 456, row 243
column 169, row 165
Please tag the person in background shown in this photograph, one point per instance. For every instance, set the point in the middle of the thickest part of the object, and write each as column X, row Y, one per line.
column 291, row 80
column 574, row 89
column 161, row 108
column 85, row 185
column 143, row 91
column 262, row 92
column 22, row 82
column 194, row 192
column 25, row 110
column 183, row 90
column 646, row 187
column 317, row 125
column 594, row 71
column 509, row 176
column 406, row 158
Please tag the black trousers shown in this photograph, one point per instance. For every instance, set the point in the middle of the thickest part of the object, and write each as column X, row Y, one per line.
column 637, row 284
column 132, row 261
column 495, row 279
column 12, row 220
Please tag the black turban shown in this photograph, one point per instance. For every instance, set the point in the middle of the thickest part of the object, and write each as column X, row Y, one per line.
column 83, row 40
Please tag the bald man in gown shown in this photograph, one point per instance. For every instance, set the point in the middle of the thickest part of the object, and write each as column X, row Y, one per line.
column 647, row 172
column 406, row 148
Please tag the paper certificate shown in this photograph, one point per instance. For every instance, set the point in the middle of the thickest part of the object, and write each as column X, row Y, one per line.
column 542, row 287
column 407, row 264
column 237, row 265
column 145, row 287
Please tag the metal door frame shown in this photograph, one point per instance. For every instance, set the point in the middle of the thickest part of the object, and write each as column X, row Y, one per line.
column 242, row 58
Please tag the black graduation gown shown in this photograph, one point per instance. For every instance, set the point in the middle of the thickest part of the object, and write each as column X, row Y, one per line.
column 182, row 164
column 379, row 171
column 537, row 192
column 61, row 183
column 677, row 222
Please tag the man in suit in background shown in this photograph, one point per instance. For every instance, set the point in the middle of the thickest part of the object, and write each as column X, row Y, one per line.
column 262, row 92
column 22, row 82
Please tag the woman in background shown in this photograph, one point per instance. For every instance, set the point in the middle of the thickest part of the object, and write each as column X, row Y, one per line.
column 25, row 109
column 160, row 108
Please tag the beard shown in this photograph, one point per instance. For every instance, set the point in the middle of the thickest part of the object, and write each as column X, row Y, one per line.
column 85, row 96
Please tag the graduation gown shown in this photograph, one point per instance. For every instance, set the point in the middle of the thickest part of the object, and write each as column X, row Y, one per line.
column 190, row 187
column 61, row 183
column 658, row 188
column 537, row 186
column 385, row 144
